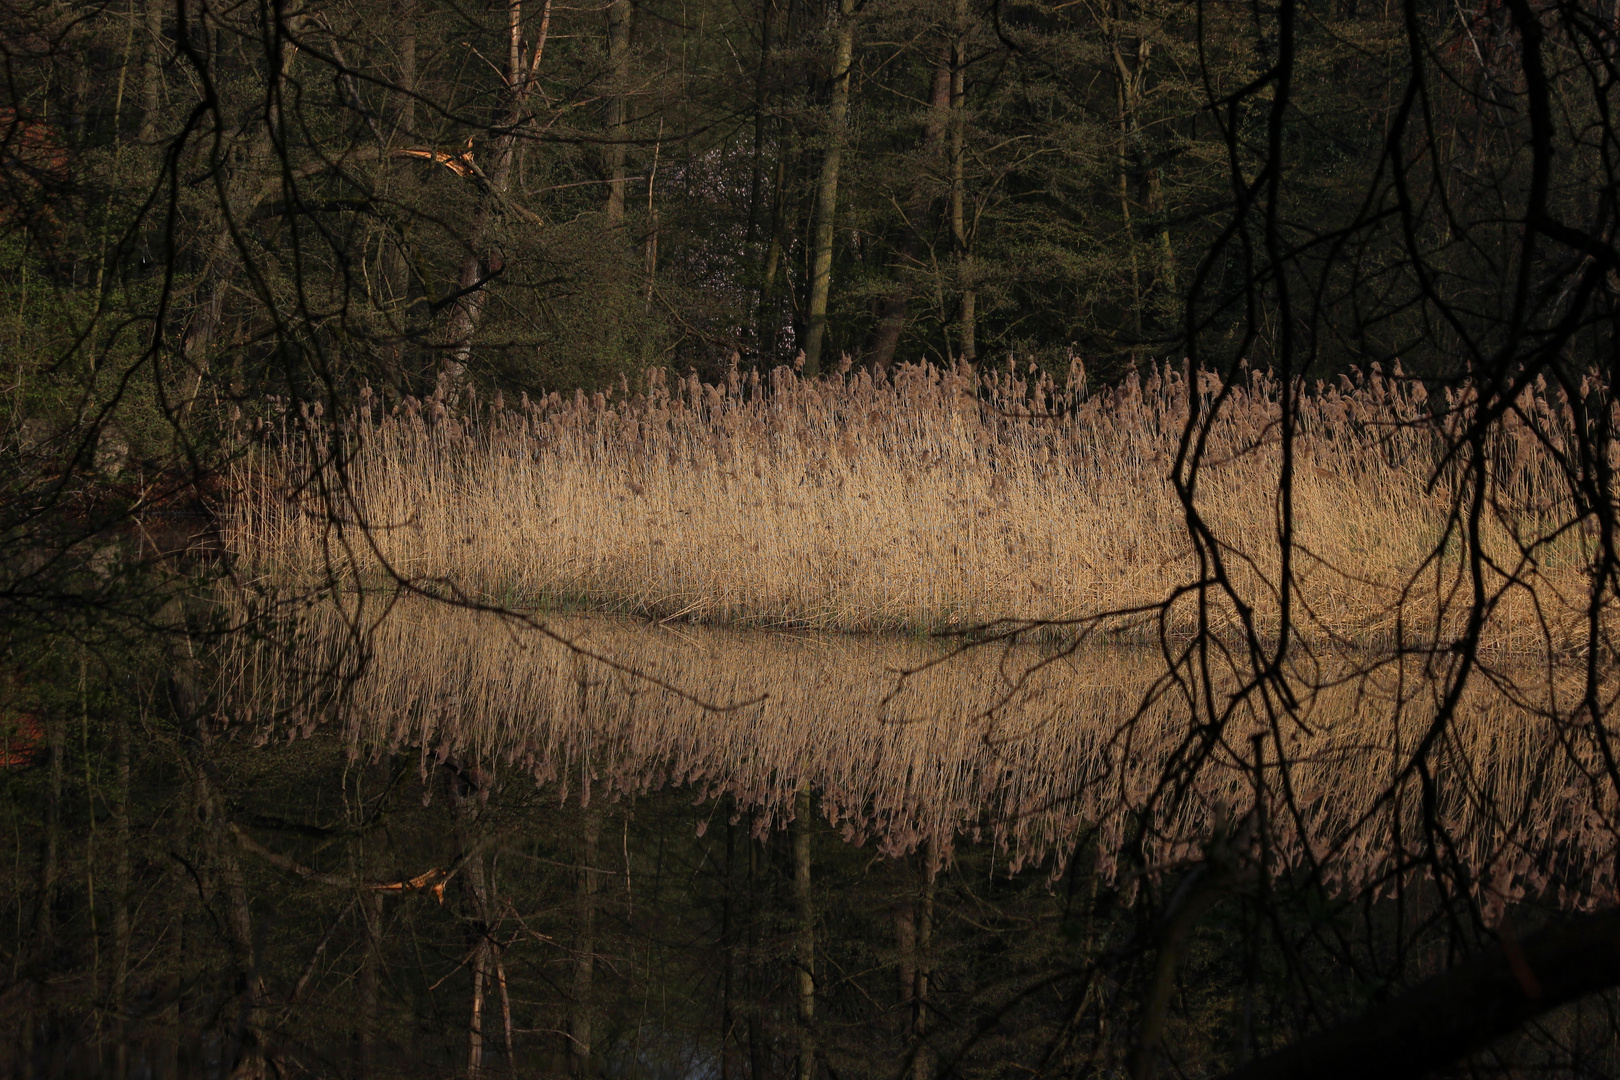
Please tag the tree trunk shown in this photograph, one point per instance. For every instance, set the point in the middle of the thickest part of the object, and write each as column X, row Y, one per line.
column 618, row 109
column 769, row 323
column 756, row 178
column 1130, row 73
column 827, row 188
column 885, row 339
column 805, row 938
column 405, row 114
column 482, row 262
column 151, row 72
column 967, row 321
column 240, row 195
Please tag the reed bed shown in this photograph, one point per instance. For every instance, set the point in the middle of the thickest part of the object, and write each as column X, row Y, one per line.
column 933, row 500
column 991, row 744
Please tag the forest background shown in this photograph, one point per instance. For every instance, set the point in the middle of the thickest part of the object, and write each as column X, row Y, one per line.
column 564, row 195
column 227, row 225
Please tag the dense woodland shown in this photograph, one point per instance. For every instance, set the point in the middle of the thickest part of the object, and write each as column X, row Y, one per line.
column 246, row 243
column 563, row 195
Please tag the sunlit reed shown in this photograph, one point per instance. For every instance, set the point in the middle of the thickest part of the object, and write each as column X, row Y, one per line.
column 938, row 499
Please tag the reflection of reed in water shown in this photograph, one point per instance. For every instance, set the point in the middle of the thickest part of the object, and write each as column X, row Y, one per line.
column 991, row 744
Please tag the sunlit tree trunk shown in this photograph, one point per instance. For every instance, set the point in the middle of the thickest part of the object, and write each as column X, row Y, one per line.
column 481, row 263
column 826, row 219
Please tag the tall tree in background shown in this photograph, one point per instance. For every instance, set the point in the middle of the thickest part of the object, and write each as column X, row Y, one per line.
column 840, row 72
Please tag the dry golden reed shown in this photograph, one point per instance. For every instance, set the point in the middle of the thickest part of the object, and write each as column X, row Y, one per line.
column 990, row 744
column 937, row 499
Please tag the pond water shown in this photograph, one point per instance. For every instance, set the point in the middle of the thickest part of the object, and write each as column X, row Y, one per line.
column 422, row 840
column 912, row 742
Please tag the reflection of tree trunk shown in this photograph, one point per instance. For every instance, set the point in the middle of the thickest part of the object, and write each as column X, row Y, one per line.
column 506, row 1014
column 728, row 958
column 968, row 315
column 49, row 871
column 50, row 868
column 758, row 1058
column 905, row 948
column 464, row 795
column 168, row 1055
column 827, row 188
column 249, row 1063
column 363, row 867
column 121, row 842
column 922, row 1066
column 371, row 910
column 880, row 347
column 579, row 1016
column 475, row 1029
column 914, row 932
column 805, row 944
column 619, row 63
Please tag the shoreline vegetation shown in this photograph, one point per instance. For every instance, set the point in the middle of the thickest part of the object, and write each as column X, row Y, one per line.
column 933, row 501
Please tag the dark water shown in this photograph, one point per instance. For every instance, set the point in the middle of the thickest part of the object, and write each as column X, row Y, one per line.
column 470, row 856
